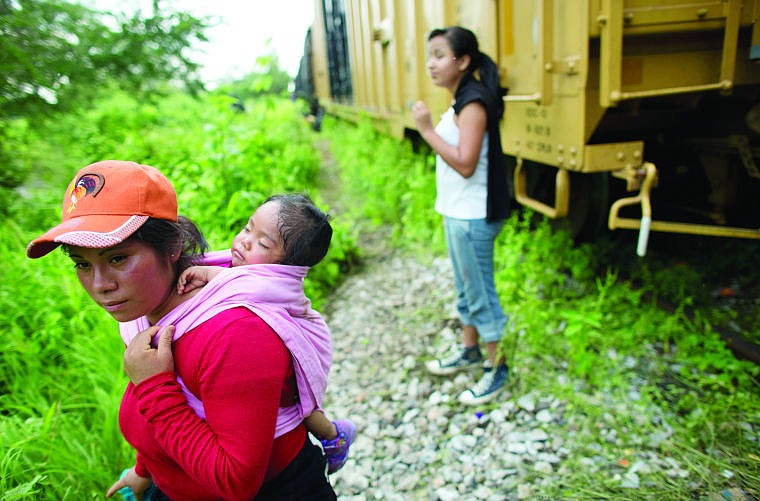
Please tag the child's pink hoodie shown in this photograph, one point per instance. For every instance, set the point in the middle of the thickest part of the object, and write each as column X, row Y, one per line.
column 275, row 293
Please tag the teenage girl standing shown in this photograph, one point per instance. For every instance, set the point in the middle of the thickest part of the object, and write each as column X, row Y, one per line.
column 472, row 196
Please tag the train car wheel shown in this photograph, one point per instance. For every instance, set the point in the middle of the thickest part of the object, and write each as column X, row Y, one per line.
column 589, row 206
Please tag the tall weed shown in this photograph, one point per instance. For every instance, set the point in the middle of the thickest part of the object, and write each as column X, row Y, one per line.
column 60, row 372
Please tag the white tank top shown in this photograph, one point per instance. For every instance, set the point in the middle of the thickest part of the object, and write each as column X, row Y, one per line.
column 457, row 196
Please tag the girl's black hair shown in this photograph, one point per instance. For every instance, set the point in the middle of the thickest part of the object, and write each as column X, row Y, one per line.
column 305, row 229
column 464, row 42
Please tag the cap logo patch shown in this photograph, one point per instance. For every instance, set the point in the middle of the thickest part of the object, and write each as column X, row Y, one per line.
column 87, row 184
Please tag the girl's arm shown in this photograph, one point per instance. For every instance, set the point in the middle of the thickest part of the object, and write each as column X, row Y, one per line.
column 472, row 121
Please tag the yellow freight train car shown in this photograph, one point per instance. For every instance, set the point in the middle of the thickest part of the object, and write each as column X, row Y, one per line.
column 637, row 114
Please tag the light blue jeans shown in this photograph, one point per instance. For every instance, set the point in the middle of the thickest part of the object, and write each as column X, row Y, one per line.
column 470, row 243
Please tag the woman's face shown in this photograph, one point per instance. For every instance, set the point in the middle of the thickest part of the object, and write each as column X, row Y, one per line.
column 259, row 242
column 445, row 69
column 128, row 280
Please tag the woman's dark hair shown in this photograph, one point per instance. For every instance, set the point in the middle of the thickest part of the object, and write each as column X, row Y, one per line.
column 169, row 237
column 463, row 42
column 304, row 228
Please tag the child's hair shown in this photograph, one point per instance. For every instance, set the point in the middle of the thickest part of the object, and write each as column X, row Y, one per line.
column 304, row 228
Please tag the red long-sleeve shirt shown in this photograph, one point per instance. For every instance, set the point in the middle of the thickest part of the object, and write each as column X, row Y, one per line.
column 238, row 366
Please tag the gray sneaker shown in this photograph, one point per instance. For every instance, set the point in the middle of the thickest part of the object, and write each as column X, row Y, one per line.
column 465, row 359
column 488, row 388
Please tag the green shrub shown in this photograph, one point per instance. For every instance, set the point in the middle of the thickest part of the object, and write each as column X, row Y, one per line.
column 385, row 182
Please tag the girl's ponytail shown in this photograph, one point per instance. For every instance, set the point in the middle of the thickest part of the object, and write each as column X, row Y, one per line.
column 489, row 77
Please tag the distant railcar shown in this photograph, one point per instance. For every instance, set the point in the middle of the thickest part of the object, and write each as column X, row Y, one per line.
column 605, row 98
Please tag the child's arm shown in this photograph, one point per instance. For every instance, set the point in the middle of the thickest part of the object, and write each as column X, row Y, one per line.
column 196, row 277
column 319, row 426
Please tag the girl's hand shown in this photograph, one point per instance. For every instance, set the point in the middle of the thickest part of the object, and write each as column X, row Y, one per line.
column 142, row 361
column 132, row 480
column 421, row 115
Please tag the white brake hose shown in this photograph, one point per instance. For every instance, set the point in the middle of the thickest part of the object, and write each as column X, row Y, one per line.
column 641, row 247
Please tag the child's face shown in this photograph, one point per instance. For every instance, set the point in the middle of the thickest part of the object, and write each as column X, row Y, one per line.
column 260, row 241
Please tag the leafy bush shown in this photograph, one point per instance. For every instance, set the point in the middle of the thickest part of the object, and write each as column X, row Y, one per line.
column 385, row 182
column 61, row 379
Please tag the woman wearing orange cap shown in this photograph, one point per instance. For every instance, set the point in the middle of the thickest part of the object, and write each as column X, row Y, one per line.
column 121, row 228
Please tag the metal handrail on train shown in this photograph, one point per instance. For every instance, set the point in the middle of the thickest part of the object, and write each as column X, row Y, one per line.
column 561, row 193
column 645, row 224
column 611, row 50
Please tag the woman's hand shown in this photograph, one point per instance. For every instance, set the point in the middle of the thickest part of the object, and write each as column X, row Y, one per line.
column 142, row 361
column 421, row 115
column 132, row 480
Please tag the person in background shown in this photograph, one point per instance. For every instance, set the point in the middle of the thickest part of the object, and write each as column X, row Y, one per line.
column 472, row 196
column 283, row 238
column 120, row 227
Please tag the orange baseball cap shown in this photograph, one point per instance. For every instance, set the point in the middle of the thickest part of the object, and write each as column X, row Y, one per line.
column 105, row 203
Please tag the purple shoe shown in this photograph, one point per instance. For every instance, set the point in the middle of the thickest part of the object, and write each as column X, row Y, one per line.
column 336, row 450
